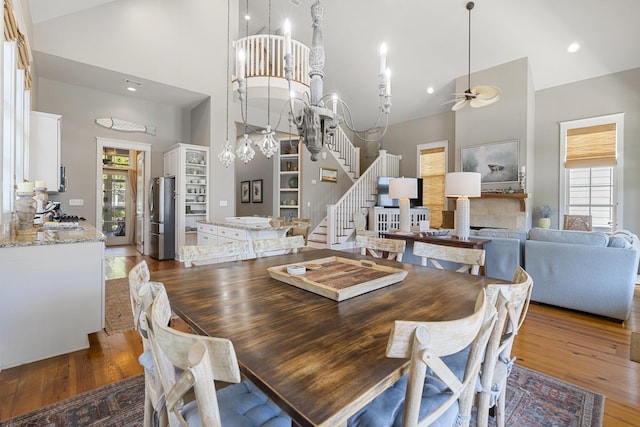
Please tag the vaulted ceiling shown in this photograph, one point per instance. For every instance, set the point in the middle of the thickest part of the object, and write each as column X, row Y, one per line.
column 427, row 40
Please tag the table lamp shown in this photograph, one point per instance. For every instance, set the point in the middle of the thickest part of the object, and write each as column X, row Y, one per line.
column 404, row 189
column 462, row 185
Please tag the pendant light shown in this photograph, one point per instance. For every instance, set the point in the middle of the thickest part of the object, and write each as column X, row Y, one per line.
column 226, row 156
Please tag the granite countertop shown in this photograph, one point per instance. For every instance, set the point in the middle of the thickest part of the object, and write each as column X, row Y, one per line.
column 85, row 232
column 240, row 226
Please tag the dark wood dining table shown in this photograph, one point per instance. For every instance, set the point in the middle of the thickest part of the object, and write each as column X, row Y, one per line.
column 319, row 359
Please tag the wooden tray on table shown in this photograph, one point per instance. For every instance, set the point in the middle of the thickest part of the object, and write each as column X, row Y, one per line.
column 339, row 278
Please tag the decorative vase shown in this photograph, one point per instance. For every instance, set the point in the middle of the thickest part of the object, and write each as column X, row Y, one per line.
column 544, row 222
column 26, row 211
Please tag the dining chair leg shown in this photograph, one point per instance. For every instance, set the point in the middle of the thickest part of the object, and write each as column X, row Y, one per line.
column 501, row 403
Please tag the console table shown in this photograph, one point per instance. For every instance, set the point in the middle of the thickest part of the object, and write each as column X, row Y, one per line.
column 384, row 220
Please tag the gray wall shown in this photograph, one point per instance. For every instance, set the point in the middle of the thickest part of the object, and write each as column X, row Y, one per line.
column 614, row 93
column 533, row 118
column 79, row 108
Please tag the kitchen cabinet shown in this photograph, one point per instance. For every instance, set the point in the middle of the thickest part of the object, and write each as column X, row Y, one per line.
column 190, row 166
column 287, row 179
column 44, row 149
column 51, row 293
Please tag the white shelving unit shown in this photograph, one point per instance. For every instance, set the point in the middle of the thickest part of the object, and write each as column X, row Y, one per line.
column 288, row 183
column 190, row 165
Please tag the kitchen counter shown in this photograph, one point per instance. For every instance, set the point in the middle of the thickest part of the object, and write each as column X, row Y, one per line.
column 213, row 232
column 248, row 227
column 51, row 293
column 85, row 232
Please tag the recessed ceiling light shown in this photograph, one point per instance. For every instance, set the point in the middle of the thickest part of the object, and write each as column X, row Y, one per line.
column 573, row 48
column 247, row 17
column 430, row 90
column 132, row 85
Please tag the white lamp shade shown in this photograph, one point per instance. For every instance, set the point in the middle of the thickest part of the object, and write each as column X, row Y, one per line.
column 466, row 184
column 403, row 188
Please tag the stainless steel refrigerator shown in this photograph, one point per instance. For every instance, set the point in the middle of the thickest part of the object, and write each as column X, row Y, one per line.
column 162, row 206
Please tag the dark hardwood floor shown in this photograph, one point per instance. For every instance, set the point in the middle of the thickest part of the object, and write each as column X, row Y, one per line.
column 585, row 350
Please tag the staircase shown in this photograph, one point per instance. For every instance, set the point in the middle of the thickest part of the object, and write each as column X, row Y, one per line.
column 336, row 229
column 265, row 68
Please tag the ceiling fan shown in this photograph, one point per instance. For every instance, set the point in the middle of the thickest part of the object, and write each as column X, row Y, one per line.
column 477, row 96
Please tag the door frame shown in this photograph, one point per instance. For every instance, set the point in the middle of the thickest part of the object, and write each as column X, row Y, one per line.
column 126, row 145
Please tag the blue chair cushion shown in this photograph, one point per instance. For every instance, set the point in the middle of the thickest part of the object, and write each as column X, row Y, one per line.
column 386, row 410
column 242, row 405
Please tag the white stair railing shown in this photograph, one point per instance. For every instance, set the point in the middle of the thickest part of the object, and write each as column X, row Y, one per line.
column 359, row 196
column 267, row 59
column 343, row 149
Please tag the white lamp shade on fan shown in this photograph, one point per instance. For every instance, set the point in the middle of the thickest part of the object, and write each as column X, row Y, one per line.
column 462, row 184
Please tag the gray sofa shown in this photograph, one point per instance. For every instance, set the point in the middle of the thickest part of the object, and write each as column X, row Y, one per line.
column 587, row 271
column 505, row 251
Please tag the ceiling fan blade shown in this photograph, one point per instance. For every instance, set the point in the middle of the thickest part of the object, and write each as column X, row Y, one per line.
column 479, row 102
column 458, row 105
column 485, row 92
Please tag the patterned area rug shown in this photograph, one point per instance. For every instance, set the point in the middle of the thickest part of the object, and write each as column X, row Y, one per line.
column 533, row 400
column 117, row 304
column 119, row 404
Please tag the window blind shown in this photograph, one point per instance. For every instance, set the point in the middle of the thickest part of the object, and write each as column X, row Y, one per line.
column 432, row 171
column 592, row 146
column 12, row 33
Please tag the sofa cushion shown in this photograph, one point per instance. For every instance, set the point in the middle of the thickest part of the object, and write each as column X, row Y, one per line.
column 588, row 238
column 511, row 233
column 623, row 239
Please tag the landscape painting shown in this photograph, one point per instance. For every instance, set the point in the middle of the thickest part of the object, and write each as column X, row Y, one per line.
column 497, row 162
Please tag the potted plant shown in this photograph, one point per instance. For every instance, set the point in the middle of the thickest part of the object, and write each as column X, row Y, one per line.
column 543, row 213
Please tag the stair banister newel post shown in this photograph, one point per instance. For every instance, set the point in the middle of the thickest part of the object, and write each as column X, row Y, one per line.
column 331, row 225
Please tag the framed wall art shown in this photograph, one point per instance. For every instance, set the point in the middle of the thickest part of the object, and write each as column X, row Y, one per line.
column 245, row 192
column 328, row 175
column 496, row 162
column 256, row 191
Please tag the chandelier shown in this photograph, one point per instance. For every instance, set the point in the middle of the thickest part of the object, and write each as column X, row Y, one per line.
column 315, row 122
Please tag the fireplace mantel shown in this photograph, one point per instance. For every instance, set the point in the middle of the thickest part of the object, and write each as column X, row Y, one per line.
column 518, row 196
column 513, row 196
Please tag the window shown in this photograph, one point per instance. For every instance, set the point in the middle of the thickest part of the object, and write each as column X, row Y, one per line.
column 432, row 167
column 591, row 170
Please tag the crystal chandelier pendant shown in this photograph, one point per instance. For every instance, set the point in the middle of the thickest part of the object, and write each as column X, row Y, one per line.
column 245, row 152
column 226, row 156
column 268, row 146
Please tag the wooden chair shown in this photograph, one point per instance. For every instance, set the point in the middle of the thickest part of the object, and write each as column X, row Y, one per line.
column 300, row 227
column 208, row 254
column 431, row 390
column 577, row 222
column 204, row 360
column 142, row 294
column 360, row 225
column 376, row 246
column 512, row 304
column 287, row 244
column 472, row 259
